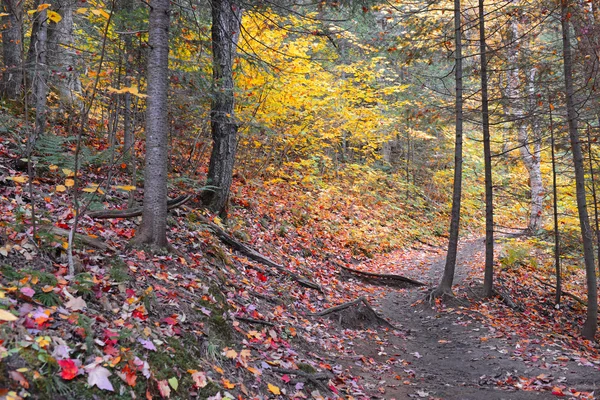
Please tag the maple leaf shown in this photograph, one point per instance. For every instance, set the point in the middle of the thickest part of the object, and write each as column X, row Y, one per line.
column 76, row 304
column 69, row 369
column 147, row 344
column 227, row 384
column 6, row 316
column 98, row 376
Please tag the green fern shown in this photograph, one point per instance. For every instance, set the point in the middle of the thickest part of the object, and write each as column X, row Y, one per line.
column 48, row 299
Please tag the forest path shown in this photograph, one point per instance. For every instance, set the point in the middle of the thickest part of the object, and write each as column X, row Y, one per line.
column 450, row 354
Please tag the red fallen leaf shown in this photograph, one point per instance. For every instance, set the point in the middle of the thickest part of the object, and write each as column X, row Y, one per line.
column 68, row 369
column 130, row 375
column 557, row 392
column 286, row 378
column 169, row 320
column 261, row 277
column 19, row 377
column 130, row 293
column 139, row 315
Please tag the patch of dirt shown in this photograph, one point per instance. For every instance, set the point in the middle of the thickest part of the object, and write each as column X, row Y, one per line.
column 450, row 354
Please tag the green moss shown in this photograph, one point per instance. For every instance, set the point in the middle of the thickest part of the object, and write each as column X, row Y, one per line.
column 306, row 368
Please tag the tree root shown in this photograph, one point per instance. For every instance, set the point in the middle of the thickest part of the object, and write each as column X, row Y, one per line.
column 381, row 279
column 254, row 321
column 312, row 378
column 85, row 239
column 567, row 294
column 365, row 317
column 137, row 211
column 507, row 300
column 256, row 256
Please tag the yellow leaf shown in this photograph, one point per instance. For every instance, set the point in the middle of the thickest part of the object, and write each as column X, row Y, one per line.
column 127, row 188
column 69, row 182
column 227, row 384
column 274, row 389
column 93, row 189
column 67, row 172
column 82, row 10
column 4, row 14
column 65, row 245
column 6, row 316
column 100, row 13
column 60, row 188
column 43, row 6
column 53, row 167
column 54, row 16
column 19, row 179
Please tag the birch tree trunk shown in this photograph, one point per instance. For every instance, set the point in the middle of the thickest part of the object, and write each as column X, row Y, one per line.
column 591, row 324
column 529, row 147
column 226, row 17
column 12, row 26
column 39, row 51
column 154, row 218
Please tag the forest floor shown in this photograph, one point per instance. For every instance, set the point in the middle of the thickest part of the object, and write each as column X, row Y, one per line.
column 451, row 352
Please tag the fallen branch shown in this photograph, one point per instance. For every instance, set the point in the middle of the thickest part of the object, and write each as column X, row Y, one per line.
column 388, row 279
column 85, row 239
column 571, row 295
column 137, row 211
column 361, row 300
column 255, row 255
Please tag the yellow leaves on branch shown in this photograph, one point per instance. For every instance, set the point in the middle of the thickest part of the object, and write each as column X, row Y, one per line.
column 132, row 89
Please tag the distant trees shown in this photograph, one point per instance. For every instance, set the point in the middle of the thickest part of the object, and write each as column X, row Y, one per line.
column 12, row 48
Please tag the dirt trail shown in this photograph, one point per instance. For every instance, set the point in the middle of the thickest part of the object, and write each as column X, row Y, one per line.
column 447, row 355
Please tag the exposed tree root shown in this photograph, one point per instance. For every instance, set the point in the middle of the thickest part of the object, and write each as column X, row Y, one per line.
column 312, row 378
column 567, row 294
column 355, row 313
column 137, row 211
column 506, row 299
column 439, row 293
column 85, row 239
column 254, row 321
column 381, row 279
column 256, row 256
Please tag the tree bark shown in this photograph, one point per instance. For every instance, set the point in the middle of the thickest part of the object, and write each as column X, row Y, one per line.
column 154, row 217
column 226, row 17
column 39, row 50
column 555, row 210
column 488, row 282
column 591, row 324
column 61, row 57
column 530, row 150
column 12, row 26
column 445, row 286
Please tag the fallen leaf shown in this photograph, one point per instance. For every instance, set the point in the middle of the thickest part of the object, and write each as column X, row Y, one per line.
column 6, row 316
column 274, row 389
column 174, row 383
column 164, row 389
column 68, row 369
column 76, row 304
column 98, row 376
column 199, row 378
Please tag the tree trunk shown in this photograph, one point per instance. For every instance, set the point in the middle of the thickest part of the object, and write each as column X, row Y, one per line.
column 61, row 56
column 591, row 323
column 488, row 282
column 530, row 155
column 12, row 77
column 555, row 211
column 154, row 216
column 226, row 16
column 39, row 47
column 445, row 286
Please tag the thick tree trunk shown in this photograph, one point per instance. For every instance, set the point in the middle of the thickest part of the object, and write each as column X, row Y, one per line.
column 591, row 324
column 488, row 282
column 154, row 216
column 12, row 26
column 445, row 286
column 61, row 56
column 226, row 17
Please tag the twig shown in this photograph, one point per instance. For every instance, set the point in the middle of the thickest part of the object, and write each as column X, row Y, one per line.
column 254, row 321
column 89, row 241
column 137, row 211
column 571, row 295
column 383, row 277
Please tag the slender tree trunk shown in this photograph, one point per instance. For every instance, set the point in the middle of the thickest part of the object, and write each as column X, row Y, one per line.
column 488, row 282
column 154, row 217
column 40, row 73
column 226, row 17
column 594, row 195
column 555, row 211
column 591, row 323
column 445, row 286
column 12, row 26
